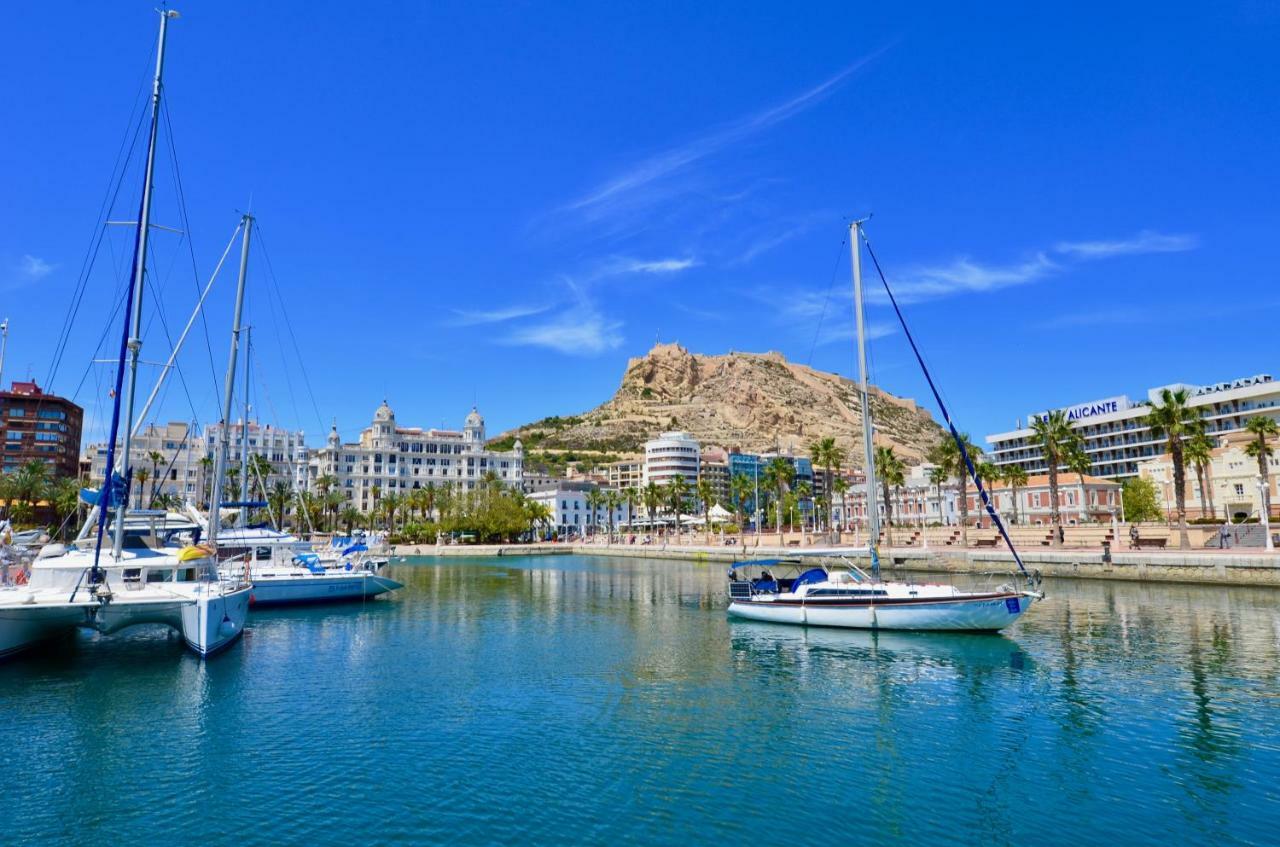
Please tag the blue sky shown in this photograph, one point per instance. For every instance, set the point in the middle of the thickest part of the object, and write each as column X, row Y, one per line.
column 503, row 202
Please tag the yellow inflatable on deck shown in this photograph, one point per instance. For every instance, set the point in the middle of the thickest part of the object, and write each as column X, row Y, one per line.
column 193, row 552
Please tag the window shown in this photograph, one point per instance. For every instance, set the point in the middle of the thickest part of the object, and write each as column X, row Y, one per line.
column 1239, row 489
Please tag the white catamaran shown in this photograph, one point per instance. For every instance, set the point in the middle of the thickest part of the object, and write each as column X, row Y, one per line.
column 796, row 591
column 139, row 579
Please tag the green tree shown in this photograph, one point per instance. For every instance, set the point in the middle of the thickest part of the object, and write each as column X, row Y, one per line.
column 652, row 496
column 156, row 458
column 206, row 470
column 390, row 505
column 947, row 454
column 1141, row 501
column 140, row 476
column 1016, row 477
column 1077, row 461
column 349, row 517
column 278, row 500
column 612, row 500
column 892, row 474
column 706, row 494
column 1173, row 420
column 677, row 492
column 840, row 487
column 1263, row 429
column 740, row 491
column 595, row 499
column 1197, row 450
column 828, row 455
column 1054, row 434
column 778, row 475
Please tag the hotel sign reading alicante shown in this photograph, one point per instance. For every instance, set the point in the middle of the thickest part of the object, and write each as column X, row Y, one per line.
column 1092, row 409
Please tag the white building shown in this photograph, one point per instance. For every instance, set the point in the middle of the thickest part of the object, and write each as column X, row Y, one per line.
column 390, row 459
column 1233, row 486
column 672, row 454
column 174, row 469
column 572, row 515
column 286, row 451
column 1115, row 432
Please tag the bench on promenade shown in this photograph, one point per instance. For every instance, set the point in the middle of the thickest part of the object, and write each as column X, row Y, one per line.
column 986, row 542
column 793, row 543
column 1160, row 543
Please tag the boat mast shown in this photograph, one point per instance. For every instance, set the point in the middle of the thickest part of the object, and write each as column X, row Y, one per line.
column 868, row 443
column 224, row 436
column 139, row 280
column 244, row 432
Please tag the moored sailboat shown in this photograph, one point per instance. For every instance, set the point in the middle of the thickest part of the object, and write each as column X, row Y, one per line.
column 813, row 593
column 140, row 579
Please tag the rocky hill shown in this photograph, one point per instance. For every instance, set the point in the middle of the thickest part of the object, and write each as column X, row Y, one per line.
column 755, row 401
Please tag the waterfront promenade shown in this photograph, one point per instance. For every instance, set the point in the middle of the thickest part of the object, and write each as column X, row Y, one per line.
column 1240, row 566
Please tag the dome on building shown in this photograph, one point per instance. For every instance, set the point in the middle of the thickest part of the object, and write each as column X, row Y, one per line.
column 474, row 418
column 518, row 447
column 384, row 413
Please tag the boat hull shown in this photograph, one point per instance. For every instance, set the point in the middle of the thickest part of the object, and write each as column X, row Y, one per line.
column 986, row 613
column 299, row 590
column 24, row 626
column 215, row 621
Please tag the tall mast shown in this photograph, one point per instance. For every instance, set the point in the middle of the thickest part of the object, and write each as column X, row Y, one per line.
column 244, row 431
column 139, row 280
column 224, row 435
column 869, row 455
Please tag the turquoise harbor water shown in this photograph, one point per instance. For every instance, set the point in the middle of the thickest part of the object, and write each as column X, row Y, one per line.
column 587, row 700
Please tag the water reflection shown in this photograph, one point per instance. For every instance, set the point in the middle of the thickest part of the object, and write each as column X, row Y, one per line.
column 611, row 699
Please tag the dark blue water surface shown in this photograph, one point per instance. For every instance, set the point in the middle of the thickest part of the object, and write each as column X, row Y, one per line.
column 590, row 700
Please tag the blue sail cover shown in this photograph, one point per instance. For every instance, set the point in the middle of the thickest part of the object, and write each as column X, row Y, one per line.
column 358, row 547
column 114, row 497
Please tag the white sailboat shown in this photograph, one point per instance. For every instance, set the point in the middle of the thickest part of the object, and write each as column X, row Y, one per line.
column 813, row 593
column 140, row 579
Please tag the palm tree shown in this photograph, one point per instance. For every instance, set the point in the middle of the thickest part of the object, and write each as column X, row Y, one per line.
column 827, row 453
column 631, row 495
column 803, row 492
column 652, row 496
column 677, row 493
column 1174, row 420
column 1198, row 452
column 141, row 475
column 349, row 517
column 594, row 498
column 706, row 494
column 156, row 458
column 778, row 475
column 740, row 490
column 278, row 499
column 1016, row 477
column 840, row 486
column 206, row 470
column 536, row 513
column 1055, row 436
column 1262, row 428
column 949, row 455
column 390, row 505
column 938, row 475
column 429, row 499
column 990, row 475
column 64, row 496
column 612, row 500
column 892, row 474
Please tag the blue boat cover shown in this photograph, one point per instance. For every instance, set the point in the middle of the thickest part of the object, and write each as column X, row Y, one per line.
column 91, row 496
column 358, row 547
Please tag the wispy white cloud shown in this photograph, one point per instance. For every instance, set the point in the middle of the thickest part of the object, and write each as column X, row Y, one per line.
column 1146, row 241
column 766, row 243
column 616, row 191
column 463, row 317
column 623, row 265
column 33, row 268
column 963, row 275
column 842, row 332
column 577, row 333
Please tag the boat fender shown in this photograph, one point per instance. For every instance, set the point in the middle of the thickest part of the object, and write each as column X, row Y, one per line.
column 228, row 627
column 49, row 551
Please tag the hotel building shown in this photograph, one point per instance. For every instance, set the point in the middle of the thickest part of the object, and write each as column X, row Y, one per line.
column 176, row 469
column 1116, row 436
column 572, row 515
column 285, row 450
column 669, row 455
column 396, row 460
column 40, row 427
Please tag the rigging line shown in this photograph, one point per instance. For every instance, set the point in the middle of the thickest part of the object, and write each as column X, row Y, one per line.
column 118, row 171
column 164, row 325
column 186, row 227
column 831, row 284
column 284, row 358
column 271, row 275
column 119, row 301
column 955, row 434
column 198, row 310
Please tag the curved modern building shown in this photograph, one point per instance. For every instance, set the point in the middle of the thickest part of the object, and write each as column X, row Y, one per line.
column 672, row 454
